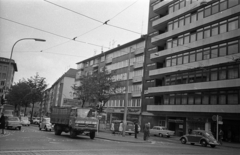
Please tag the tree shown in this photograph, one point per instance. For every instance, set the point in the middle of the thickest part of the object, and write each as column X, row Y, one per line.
column 37, row 85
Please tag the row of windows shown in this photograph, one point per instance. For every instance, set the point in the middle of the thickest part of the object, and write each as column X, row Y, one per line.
column 4, row 68
column 202, row 13
column 131, row 88
column 124, row 63
column 123, row 76
column 204, row 75
column 121, row 103
column 221, row 97
column 3, row 75
column 206, row 32
column 179, row 4
column 219, row 50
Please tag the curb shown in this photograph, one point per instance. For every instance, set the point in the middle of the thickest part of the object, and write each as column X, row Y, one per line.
column 117, row 140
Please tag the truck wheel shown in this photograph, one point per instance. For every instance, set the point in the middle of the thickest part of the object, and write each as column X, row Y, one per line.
column 72, row 133
column 92, row 135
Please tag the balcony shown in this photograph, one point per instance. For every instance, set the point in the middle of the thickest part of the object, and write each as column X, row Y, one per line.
column 137, row 79
column 195, row 108
column 108, row 60
column 136, row 93
column 158, row 7
column 139, row 51
column 138, row 65
column 205, row 63
column 95, row 65
column 191, row 26
column 196, row 86
column 196, row 44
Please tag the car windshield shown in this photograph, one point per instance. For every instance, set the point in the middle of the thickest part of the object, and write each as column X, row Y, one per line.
column 85, row 113
column 13, row 119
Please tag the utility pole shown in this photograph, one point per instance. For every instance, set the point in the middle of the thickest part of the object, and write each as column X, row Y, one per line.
column 126, row 99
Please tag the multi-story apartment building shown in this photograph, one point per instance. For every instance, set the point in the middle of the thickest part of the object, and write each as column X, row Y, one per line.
column 6, row 74
column 192, row 66
column 117, row 60
column 61, row 92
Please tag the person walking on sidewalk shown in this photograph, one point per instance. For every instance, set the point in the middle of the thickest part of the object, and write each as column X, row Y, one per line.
column 112, row 128
column 2, row 120
column 146, row 131
column 136, row 129
column 120, row 128
column 220, row 136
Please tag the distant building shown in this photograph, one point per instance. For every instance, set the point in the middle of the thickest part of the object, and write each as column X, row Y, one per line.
column 61, row 93
column 192, row 71
column 6, row 74
column 117, row 60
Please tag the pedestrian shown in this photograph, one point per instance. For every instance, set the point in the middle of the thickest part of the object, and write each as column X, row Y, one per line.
column 220, row 136
column 2, row 120
column 146, row 131
column 112, row 128
column 120, row 128
column 136, row 129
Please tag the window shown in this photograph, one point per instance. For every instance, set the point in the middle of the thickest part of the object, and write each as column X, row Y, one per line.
column 222, row 73
column 175, row 25
column 193, row 37
column 169, row 44
column 170, row 26
column 200, row 14
column 180, row 40
column 223, row 26
column 207, row 32
column 176, row 6
column 199, row 55
column 190, row 98
column 232, row 97
column 223, row 5
column 233, row 47
column 181, row 21
column 233, row 24
column 168, row 62
column 179, row 59
column 166, row 99
column 214, row 74
column 232, row 3
column 205, row 99
column 206, row 53
column 214, row 51
column 182, row 4
column 187, row 19
column 186, row 38
column 170, row 9
column 174, row 44
column 185, row 58
column 214, row 29
column 174, row 61
column 198, row 98
column 232, row 72
column 223, row 50
column 192, row 57
column 222, row 97
column 193, row 17
column 207, row 11
column 102, row 59
column 215, row 8
column 172, row 98
column 213, row 98
column 184, row 98
column 200, row 34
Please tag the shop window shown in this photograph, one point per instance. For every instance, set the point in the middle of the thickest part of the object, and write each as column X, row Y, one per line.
column 232, row 3
column 215, row 7
column 223, row 50
column 233, row 48
column 223, row 5
column 214, row 52
column 232, row 97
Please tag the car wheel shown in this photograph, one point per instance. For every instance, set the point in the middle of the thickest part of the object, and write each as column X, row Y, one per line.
column 212, row 146
column 183, row 141
column 160, row 135
column 204, row 143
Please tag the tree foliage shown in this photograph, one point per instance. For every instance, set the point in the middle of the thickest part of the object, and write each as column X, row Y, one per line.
column 96, row 88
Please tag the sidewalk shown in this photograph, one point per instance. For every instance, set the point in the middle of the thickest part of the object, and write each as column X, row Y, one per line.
column 106, row 134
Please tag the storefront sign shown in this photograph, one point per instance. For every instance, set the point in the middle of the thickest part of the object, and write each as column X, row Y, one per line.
column 175, row 120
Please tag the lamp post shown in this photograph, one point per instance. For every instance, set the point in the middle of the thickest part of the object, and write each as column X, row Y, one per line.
column 126, row 99
column 8, row 74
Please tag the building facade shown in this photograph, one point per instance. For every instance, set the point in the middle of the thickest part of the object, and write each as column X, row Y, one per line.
column 192, row 70
column 117, row 60
column 6, row 74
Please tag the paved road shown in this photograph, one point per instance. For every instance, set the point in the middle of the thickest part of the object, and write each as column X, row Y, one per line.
column 31, row 141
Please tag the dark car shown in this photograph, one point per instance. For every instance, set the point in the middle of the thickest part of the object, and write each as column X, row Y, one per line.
column 200, row 137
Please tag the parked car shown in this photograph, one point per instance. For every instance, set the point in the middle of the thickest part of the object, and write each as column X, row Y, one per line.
column 36, row 120
column 13, row 122
column 161, row 131
column 45, row 124
column 200, row 137
column 130, row 129
column 25, row 121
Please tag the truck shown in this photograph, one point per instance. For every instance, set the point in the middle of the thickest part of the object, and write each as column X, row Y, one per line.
column 74, row 120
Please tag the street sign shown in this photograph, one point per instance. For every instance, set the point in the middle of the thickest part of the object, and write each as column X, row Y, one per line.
column 220, row 122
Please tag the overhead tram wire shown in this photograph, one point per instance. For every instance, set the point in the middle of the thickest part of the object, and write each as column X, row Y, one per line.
column 104, row 23
column 51, row 33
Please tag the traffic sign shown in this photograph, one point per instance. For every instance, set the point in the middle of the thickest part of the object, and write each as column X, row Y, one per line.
column 220, row 122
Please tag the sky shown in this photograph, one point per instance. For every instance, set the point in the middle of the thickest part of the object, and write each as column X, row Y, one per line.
column 59, row 22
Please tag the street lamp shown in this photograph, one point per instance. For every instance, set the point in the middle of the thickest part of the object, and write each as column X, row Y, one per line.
column 126, row 99
column 8, row 74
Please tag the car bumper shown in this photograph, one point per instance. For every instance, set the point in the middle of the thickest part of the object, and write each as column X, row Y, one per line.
column 14, row 126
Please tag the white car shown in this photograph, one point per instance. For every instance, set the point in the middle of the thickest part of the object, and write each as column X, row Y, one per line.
column 25, row 121
column 161, row 131
column 45, row 124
